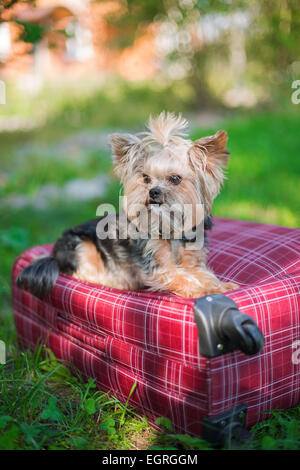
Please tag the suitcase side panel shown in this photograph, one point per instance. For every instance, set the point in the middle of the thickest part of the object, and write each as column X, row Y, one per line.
column 149, row 398
column 169, row 375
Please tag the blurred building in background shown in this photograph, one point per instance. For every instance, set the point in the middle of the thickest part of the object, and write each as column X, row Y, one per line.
column 75, row 40
column 235, row 52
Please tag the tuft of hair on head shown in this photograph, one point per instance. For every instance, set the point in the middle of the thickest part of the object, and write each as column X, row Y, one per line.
column 166, row 129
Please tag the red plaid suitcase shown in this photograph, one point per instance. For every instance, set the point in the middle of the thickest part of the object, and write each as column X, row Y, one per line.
column 185, row 366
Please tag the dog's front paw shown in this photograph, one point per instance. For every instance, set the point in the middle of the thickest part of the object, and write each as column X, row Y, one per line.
column 228, row 286
column 194, row 292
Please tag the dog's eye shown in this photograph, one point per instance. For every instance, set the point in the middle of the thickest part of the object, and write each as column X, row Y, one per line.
column 147, row 179
column 175, row 179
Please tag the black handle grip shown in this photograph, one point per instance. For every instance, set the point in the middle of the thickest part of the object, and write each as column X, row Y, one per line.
column 223, row 328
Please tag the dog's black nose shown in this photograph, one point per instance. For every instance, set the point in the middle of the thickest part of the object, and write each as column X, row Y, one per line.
column 155, row 195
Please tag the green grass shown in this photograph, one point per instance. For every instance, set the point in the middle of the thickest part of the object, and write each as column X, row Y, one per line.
column 43, row 406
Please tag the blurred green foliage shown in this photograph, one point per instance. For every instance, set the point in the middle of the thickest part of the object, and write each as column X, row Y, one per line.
column 32, row 33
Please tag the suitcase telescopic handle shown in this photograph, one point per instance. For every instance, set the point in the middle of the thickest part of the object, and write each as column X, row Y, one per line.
column 222, row 328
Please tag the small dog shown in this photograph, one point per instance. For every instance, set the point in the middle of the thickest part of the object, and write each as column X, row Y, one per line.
column 159, row 170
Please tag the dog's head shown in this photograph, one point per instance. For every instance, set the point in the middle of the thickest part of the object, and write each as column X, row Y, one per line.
column 164, row 171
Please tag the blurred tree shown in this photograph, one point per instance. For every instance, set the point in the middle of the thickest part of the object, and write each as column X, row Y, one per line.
column 179, row 40
column 271, row 38
column 32, row 33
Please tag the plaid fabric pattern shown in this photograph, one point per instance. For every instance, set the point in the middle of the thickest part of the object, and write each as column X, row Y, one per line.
column 121, row 337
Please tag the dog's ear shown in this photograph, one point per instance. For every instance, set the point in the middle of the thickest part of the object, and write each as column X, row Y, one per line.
column 208, row 156
column 210, row 152
column 125, row 150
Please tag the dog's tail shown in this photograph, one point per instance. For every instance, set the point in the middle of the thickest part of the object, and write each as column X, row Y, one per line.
column 39, row 277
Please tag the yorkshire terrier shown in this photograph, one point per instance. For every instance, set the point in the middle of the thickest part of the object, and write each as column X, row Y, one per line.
column 159, row 170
